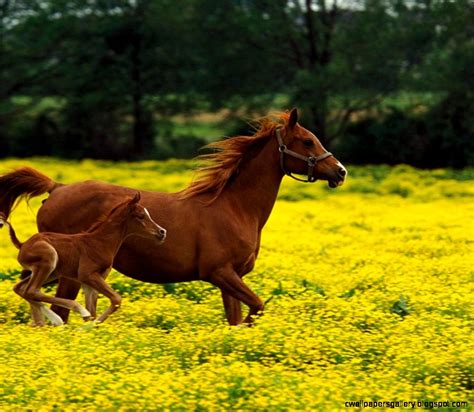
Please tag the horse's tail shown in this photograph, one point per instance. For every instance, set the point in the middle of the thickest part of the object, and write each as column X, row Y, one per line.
column 15, row 241
column 23, row 183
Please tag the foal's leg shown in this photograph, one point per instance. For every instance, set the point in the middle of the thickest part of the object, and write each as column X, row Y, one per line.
column 97, row 282
column 33, row 293
column 67, row 289
column 90, row 295
column 54, row 318
column 35, row 307
column 37, row 296
column 36, row 315
column 230, row 283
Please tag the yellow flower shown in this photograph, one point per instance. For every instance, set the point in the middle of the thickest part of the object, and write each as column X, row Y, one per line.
column 372, row 298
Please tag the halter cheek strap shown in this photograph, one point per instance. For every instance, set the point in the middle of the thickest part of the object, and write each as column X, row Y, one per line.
column 310, row 160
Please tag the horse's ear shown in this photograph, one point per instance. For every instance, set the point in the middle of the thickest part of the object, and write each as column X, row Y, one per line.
column 136, row 198
column 293, row 118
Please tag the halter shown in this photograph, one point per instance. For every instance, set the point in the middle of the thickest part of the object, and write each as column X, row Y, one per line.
column 310, row 160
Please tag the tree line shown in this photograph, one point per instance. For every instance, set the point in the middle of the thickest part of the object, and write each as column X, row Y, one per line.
column 97, row 78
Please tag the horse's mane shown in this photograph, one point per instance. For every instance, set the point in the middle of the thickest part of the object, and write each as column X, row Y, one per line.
column 104, row 217
column 219, row 167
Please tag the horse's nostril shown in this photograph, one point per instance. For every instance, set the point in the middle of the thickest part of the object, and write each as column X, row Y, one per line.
column 342, row 172
column 162, row 232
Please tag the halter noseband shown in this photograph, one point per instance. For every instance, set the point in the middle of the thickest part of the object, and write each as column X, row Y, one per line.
column 310, row 160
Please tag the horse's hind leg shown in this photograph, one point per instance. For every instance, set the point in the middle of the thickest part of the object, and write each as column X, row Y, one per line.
column 35, row 307
column 97, row 282
column 230, row 283
column 54, row 318
column 38, row 310
column 36, row 314
column 233, row 310
column 40, row 273
column 34, row 294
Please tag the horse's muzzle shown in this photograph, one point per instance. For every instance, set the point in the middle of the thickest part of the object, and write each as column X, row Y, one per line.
column 161, row 235
column 339, row 178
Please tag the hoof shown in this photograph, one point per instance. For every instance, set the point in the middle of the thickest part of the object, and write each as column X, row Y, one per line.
column 58, row 322
column 83, row 311
column 85, row 314
column 54, row 318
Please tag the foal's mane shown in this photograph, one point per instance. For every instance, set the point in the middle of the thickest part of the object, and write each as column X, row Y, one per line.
column 220, row 165
column 105, row 216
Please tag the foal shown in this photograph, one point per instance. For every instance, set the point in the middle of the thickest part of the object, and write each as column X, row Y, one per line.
column 86, row 257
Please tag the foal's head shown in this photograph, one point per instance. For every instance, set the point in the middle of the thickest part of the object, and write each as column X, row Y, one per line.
column 138, row 220
column 304, row 143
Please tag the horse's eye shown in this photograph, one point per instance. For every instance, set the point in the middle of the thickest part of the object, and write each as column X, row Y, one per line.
column 308, row 143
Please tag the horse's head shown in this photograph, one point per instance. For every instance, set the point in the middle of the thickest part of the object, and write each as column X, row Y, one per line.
column 302, row 153
column 140, row 223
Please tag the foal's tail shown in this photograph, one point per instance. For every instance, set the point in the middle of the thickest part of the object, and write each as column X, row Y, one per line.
column 23, row 183
column 15, row 241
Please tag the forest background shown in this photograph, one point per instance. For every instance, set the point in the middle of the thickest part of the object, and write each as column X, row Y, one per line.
column 378, row 81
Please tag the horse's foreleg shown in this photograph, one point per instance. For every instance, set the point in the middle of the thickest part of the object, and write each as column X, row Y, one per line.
column 233, row 310
column 67, row 289
column 97, row 282
column 90, row 295
column 230, row 283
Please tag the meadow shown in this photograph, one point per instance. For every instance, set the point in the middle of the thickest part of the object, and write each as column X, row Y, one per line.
column 369, row 291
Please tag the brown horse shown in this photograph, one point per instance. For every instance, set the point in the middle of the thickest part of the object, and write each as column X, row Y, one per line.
column 85, row 257
column 214, row 225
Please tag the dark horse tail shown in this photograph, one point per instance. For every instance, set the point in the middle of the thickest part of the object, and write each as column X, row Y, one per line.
column 23, row 183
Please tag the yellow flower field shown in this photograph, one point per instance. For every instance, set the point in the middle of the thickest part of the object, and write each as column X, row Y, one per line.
column 370, row 290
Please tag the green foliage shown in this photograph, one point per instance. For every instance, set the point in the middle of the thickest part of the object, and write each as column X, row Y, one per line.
column 400, row 307
column 105, row 60
column 12, row 274
column 440, row 137
column 106, row 79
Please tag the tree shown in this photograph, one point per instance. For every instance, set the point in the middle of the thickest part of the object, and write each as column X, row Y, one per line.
column 24, row 70
column 107, row 69
column 334, row 59
column 113, row 65
column 327, row 58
